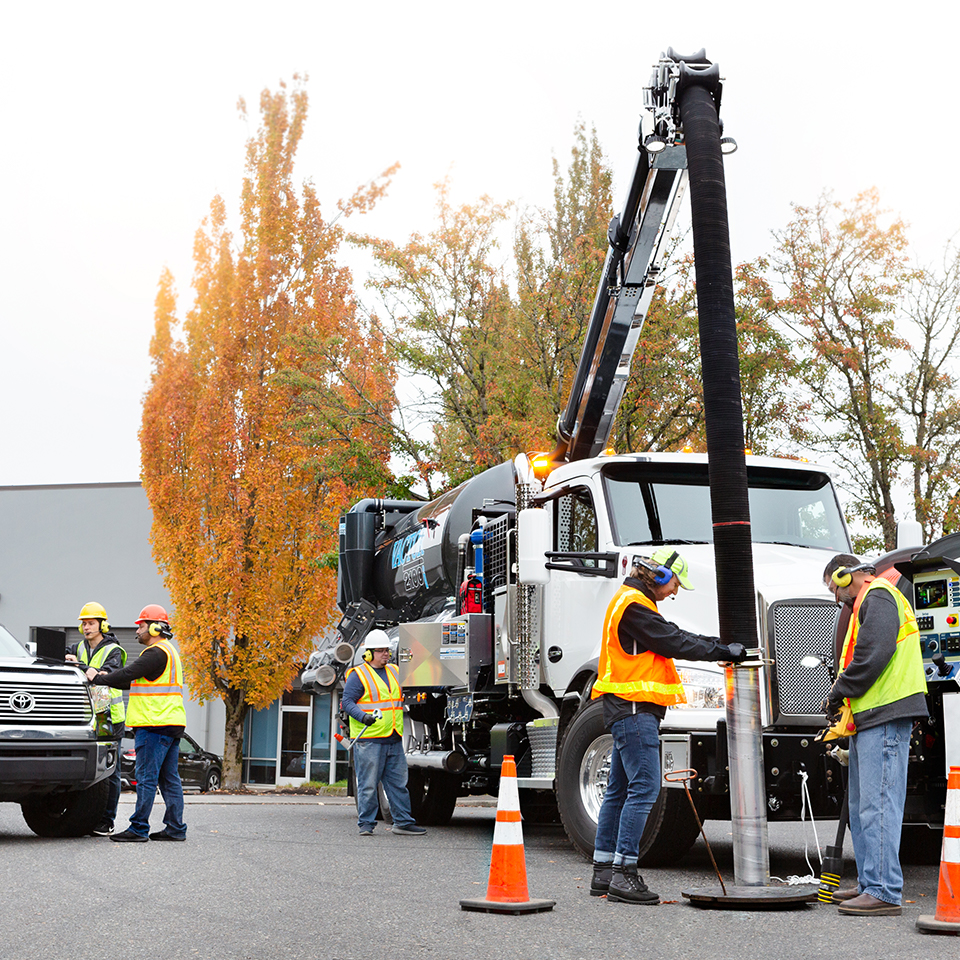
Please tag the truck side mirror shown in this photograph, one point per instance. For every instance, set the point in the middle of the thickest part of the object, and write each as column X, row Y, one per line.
column 533, row 541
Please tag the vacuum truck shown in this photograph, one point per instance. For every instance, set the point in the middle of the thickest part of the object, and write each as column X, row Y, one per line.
column 495, row 592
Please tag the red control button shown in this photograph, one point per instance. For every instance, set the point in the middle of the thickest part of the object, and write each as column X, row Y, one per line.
column 952, row 620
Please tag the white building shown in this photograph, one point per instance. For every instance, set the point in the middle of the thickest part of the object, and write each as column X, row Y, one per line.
column 63, row 545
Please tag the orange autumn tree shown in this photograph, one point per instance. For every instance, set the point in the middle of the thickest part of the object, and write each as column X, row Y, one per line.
column 245, row 508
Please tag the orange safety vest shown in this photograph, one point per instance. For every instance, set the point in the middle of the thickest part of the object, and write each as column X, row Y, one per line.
column 644, row 676
column 159, row 703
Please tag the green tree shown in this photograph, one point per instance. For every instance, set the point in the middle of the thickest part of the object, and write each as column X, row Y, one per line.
column 447, row 297
column 244, row 511
column 926, row 394
column 840, row 273
column 662, row 406
column 775, row 410
column 559, row 255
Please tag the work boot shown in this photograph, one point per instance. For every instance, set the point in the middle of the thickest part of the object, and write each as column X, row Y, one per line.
column 840, row 895
column 867, row 905
column 600, row 882
column 627, row 886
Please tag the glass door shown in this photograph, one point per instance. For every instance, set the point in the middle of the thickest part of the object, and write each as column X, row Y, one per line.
column 293, row 745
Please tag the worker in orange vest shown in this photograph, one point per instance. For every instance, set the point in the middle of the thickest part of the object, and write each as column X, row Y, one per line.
column 638, row 681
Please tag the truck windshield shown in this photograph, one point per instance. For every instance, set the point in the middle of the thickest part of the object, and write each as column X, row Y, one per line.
column 9, row 646
column 670, row 503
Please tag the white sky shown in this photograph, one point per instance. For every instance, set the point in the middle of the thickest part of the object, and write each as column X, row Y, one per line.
column 120, row 126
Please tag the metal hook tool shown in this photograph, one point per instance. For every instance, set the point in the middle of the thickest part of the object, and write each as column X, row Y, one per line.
column 684, row 777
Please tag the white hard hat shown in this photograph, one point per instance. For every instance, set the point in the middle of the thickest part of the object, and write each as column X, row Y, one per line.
column 376, row 640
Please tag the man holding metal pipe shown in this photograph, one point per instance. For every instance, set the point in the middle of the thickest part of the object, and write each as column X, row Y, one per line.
column 638, row 681
column 881, row 677
column 373, row 700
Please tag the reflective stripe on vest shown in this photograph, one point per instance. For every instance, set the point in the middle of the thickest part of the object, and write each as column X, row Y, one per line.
column 645, row 676
column 903, row 676
column 117, row 709
column 159, row 703
column 378, row 696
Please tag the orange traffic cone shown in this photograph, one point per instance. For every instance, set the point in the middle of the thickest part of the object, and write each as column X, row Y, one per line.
column 947, row 917
column 507, row 888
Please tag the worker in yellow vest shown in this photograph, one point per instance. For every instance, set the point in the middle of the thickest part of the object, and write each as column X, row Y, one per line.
column 637, row 679
column 881, row 677
column 98, row 650
column 373, row 700
column 157, row 715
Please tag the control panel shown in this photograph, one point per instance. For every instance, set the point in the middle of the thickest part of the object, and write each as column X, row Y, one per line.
column 936, row 602
column 448, row 653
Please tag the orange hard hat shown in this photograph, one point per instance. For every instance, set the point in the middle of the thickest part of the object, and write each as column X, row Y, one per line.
column 153, row 612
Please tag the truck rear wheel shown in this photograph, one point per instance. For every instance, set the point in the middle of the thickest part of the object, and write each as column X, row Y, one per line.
column 433, row 796
column 66, row 814
column 583, row 767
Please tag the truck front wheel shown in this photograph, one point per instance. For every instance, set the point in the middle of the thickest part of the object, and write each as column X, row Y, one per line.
column 583, row 767
column 66, row 814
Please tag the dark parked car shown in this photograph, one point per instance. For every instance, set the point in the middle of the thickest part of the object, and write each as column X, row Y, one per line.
column 199, row 769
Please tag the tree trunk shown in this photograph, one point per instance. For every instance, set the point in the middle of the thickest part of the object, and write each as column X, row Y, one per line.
column 236, row 710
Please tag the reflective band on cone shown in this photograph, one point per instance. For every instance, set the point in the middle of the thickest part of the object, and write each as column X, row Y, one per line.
column 947, row 917
column 507, row 887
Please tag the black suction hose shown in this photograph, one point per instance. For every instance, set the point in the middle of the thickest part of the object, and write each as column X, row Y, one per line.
column 723, row 408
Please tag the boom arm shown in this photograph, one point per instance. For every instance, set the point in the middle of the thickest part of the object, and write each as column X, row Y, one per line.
column 638, row 237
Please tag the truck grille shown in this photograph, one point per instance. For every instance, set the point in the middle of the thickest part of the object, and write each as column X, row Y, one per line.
column 798, row 629
column 26, row 703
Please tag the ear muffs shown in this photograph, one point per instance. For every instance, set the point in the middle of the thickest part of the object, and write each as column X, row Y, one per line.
column 663, row 574
column 104, row 626
column 843, row 576
column 367, row 655
column 159, row 630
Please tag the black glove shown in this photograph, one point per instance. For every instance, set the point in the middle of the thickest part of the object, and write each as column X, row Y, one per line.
column 735, row 653
column 369, row 719
column 832, row 709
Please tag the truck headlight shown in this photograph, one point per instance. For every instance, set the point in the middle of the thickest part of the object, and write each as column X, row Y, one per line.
column 703, row 688
column 101, row 699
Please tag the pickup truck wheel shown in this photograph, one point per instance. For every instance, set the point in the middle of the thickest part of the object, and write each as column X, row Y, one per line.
column 582, row 771
column 66, row 814
column 433, row 796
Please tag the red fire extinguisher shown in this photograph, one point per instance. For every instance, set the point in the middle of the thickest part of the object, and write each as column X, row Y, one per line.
column 471, row 595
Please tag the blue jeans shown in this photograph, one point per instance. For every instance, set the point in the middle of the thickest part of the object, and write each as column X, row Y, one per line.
column 157, row 756
column 632, row 789
column 878, row 790
column 382, row 761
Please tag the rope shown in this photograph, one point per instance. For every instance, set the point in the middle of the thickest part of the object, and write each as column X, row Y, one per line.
column 805, row 805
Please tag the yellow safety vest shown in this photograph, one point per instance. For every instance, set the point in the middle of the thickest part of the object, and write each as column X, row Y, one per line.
column 117, row 711
column 903, row 676
column 159, row 703
column 378, row 696
column 646, row 676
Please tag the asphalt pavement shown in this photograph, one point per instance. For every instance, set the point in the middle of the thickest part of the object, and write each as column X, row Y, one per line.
column 288, row 877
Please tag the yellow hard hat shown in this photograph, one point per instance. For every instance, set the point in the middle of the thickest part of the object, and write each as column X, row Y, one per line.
column 92, row 611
